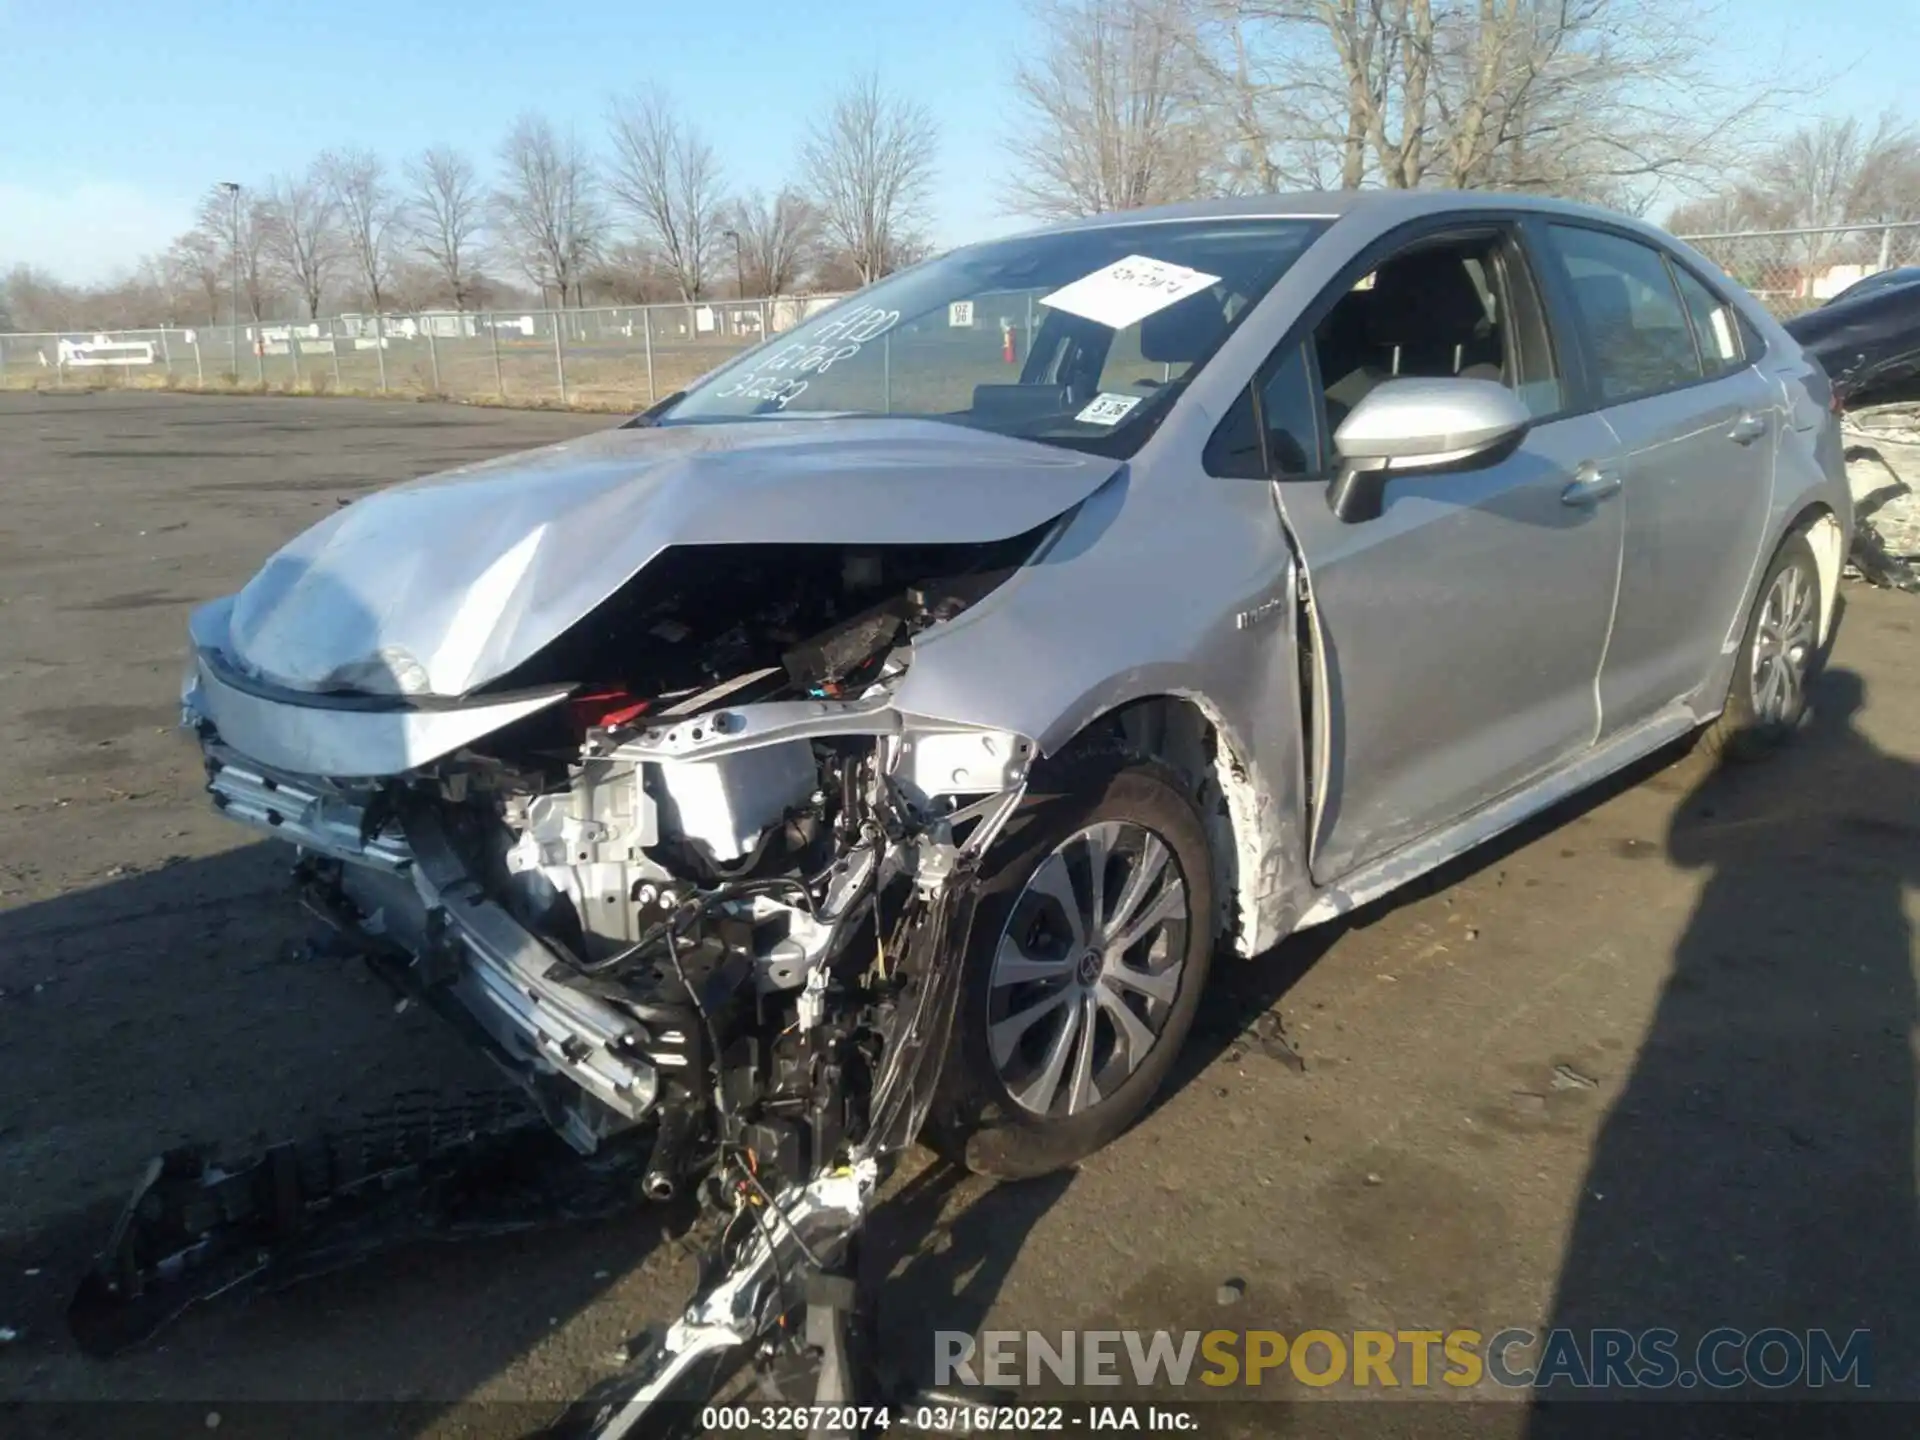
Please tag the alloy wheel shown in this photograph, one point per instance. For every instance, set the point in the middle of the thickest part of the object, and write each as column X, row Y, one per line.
column 1087, row 968
column 1783, row 646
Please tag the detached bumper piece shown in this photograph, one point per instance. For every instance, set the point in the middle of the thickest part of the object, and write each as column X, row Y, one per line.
column 424, row 1169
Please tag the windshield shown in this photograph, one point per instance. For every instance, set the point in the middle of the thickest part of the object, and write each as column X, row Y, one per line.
column 1080, row 338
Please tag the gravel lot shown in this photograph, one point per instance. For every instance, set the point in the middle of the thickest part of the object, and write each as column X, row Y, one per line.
column 1648, row 1063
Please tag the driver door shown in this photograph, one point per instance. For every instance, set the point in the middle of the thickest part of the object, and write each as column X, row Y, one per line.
column 1457, row 636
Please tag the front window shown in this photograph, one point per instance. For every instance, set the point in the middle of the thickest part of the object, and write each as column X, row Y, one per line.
column 1079, row 338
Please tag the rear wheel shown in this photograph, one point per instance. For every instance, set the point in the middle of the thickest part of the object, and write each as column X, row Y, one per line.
column 1089, row 949
column 1777, row 659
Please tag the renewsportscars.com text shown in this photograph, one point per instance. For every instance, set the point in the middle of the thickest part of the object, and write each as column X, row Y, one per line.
column 1652, row 1359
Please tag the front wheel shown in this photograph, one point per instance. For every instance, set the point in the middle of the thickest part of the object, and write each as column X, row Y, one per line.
column 1777, row 659
column 1089, row 950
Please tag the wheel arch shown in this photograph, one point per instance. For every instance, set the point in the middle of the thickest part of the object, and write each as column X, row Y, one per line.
column 1245, row 830
column 1828, row 541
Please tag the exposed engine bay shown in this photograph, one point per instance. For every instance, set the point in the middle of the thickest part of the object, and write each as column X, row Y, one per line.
column 704, row 899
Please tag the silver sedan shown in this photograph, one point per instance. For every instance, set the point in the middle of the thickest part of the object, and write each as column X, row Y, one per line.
column 882, row 738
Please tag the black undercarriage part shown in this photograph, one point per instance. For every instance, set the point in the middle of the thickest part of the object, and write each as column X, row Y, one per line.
column 789, row 1189
column 424, row 1168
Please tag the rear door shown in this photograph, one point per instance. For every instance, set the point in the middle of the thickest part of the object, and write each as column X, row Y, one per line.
column 1459, row 633
column 1698, row 428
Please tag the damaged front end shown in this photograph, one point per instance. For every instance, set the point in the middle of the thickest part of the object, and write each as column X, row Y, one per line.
column 674, row 887
column 686, row 873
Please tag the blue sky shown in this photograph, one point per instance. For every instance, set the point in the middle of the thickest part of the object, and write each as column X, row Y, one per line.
column 121, row 113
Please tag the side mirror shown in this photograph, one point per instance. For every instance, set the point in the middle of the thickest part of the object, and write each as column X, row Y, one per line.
column 1416, row 427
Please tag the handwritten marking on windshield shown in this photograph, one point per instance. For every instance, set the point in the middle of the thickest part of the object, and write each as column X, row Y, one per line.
column 774, row 378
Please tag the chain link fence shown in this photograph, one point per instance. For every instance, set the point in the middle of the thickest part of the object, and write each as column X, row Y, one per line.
column 626, row 357
column 614, row 357
column 1794, row 270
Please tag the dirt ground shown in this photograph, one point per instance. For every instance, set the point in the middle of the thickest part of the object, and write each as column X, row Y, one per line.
column 1649, row 1062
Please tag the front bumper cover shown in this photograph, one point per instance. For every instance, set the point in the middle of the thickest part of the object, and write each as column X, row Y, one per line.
column 403, row 886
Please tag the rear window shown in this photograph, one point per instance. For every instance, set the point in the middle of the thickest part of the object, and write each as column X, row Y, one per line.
column 1716, row 327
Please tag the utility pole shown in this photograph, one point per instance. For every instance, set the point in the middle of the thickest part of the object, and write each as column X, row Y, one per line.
column 232, row 187
column 739, row 271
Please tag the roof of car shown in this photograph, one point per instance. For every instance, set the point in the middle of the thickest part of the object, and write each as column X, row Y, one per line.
column 1390, row 205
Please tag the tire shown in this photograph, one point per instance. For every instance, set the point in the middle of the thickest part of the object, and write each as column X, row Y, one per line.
column 1779, row 656
column 995, row 1113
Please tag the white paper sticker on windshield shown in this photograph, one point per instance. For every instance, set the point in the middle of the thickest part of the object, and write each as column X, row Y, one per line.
column 1128, row 291
column 1107, row 409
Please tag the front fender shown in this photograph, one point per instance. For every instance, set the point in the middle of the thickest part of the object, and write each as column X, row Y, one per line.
column 1180, row 590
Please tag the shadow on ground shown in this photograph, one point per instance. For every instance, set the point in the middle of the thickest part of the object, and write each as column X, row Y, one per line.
column 1758, row 1169
column 186, row 1003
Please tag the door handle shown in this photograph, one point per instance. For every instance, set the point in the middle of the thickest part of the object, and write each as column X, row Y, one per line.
column 1590, row 485
column 1748, row 428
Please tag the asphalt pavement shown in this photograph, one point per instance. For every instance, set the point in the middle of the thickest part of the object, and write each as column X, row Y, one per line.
column 1648, row 1062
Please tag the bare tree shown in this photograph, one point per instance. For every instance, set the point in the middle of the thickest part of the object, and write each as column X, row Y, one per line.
column 197, row 267
column 302, row 234
column 870, row 166
column 1833, row 174
column 1843, row 172
column 665, row 174
column 548, row 206
column 1743, row 205
column 776, row 237
column 37, row 301
column 448, row 214
column 1113, row 117
column 368, row 212
column 241, row 232
column 1606, row 100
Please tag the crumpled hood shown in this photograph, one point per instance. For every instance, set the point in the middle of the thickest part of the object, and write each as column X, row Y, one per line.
column 440, row 585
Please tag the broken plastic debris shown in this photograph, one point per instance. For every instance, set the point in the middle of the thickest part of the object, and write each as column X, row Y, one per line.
column 1268, row 1034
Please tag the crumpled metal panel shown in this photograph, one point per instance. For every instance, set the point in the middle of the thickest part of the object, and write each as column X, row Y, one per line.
column 437, row 586
column 315, row 739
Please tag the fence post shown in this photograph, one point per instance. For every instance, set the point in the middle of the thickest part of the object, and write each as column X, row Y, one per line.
column 1886, row 247
column 293, row 352
column 260, row 352
column 333, row 349
column 493, row 335
column 433, row 353
column 559, row 358
column 380, row 347
column 199, row 371
column 646, row 329
column 166, row 353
